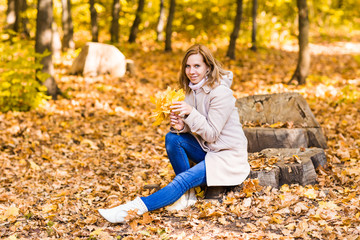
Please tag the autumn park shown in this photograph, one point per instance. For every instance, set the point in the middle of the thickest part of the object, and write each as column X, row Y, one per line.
column 85, row 96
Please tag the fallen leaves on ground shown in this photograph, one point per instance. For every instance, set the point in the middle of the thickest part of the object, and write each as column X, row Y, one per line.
column 98, row 148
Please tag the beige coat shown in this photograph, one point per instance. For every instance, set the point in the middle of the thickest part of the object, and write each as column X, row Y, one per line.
column 214, row 121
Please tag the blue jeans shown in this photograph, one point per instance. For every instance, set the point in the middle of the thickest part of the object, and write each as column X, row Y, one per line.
column 180, row 148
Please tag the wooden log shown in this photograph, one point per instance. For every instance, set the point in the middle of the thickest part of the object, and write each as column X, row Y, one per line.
column 316, row 138
column 270, row 109
column 294, row 166
column 302, row 173
column 319, row 159
column 267, row 178
column 278, row 107
column 215, row 192
column 261, row 138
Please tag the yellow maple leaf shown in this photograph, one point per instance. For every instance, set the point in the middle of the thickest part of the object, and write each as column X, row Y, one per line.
column 34, row 166
column 163, row 101
column 277, row 219
column 277, row 125
column 49, row 207
column 12, row 237
column 12, row 211
column 310, row 193
column 97, row 231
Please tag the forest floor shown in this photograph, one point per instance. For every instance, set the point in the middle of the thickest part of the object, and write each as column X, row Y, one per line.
column 98, row 149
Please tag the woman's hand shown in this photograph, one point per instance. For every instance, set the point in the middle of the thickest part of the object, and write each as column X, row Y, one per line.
column 181, row 108
column 176, row 121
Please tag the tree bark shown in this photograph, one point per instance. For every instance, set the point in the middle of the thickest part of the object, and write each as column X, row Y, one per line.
column 115, row 27
column 135, row 27
column 17, row 16
column 161, row 22
column 15, row 19
column 276, row 167
column 303, row 65
column 67, row 23
column 169, row 26
column 44, row 41
column 10, row 14
column 94, row 23
column 340, row 4
column 254, row 25
column 234, row 35
column 24, row 19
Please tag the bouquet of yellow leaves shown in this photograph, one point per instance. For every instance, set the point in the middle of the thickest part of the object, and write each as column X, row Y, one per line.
column 163, row 101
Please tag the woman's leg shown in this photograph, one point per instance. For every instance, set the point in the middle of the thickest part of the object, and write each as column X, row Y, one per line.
column 179, row 148
column 184, row 181
column 182, row 147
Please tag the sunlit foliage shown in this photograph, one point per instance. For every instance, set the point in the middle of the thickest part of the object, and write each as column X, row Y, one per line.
column 20, row 78
column 209, row 20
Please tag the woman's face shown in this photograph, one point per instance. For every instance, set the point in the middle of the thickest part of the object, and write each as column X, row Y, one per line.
column 195, row 68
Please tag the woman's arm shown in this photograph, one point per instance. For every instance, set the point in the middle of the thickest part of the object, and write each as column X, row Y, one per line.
column 221, row 105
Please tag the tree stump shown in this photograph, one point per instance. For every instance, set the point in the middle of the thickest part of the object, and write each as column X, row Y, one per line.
column 263, row 111
column 275, row 167
column 99, row 58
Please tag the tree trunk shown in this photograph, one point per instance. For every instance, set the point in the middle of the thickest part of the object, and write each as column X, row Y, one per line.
column 43, row 42
column 15, row 19
column 10, row 14
column 135, row 27
column 169, row 26
column 161, row 22
column 94, row 23
column 24, row 19
column 115, row 27
column 340, row 4
column 302, row 68
column 17, row 16
column 68, row 28
column 254, row 25
column 235, row 33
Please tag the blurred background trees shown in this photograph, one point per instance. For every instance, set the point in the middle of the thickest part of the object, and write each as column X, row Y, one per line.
column 201, row 20
column 233, row 24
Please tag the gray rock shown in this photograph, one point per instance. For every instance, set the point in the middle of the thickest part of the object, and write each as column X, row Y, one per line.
column 99, row 58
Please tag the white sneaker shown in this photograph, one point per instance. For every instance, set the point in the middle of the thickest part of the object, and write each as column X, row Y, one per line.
column 186, row 200
column 119, row 213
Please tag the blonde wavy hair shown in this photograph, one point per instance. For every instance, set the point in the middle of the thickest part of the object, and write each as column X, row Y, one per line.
column 215, row 67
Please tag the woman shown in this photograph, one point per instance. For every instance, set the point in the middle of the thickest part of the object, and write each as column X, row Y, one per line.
column 205, row 128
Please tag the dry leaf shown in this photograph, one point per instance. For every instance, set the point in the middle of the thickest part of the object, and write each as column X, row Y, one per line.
column 163, row 101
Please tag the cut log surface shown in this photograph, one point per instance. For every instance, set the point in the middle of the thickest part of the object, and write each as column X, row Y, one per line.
column 276, row 108
column 294, row 166
column 267, row 178
column 260, row 138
